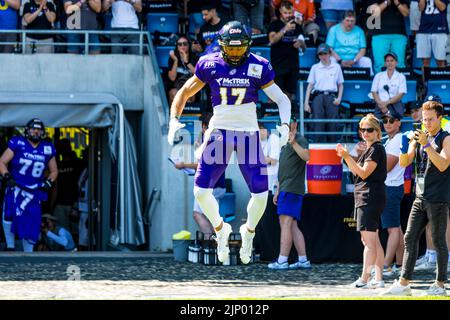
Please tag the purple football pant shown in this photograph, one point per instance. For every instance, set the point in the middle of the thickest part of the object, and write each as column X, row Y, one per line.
column 216, row 156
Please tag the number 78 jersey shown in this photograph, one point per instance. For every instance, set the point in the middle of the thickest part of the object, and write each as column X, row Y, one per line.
column 28, row 164
column 234, row 90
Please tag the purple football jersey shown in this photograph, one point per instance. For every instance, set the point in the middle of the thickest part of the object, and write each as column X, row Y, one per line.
column 234, row 85
column 28, row 164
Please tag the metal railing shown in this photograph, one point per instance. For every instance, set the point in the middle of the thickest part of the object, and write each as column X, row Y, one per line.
column 144, row 39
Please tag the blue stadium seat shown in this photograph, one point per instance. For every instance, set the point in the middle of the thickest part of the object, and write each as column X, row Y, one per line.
column 411, row 94
column 356, row 91
column 440, row 87
column 417, row 63
column 308, row 58
column 262, row 97
column 227, row 207
column 261, row 51
column 162, row 22
column 162, row 56
column 195, row 21
column 108, row 17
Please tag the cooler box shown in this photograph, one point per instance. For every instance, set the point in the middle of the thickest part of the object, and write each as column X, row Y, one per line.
column 324, row 169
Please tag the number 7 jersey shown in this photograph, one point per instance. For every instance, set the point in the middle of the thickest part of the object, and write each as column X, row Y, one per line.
column 234, row 90
column 28, row 164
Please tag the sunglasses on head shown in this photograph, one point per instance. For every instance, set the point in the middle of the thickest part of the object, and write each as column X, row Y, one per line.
column 185, row 43
column 390, row 120
column 369, row 130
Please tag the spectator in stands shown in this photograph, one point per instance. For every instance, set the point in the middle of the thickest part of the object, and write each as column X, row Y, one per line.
column 390, row 218
column 304, row 13
column 289, row 199
column 271, row 149
column 124, row 18
column 388, row 88
column 9, row 12
column 433, row 30
column 250, row 13
column 209, row 30
column 348, row 43
column 219, row 189
column 285, row 37
column 54, row 237
column 387, row 28
column 325, row 89
column 181, row 66
column 39, row 15
column 69, row 170
column 82, row 15
column 333, row 11
column 370, row 173
column 414, row 16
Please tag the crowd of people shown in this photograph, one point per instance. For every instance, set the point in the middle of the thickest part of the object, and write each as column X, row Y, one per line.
column 43, row 192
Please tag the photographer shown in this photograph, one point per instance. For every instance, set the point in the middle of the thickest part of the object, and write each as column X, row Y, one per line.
column 285, row 37
column 431, row 149
column 54, row 237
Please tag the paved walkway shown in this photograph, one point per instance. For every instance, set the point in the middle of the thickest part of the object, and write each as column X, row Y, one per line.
column 158, row 276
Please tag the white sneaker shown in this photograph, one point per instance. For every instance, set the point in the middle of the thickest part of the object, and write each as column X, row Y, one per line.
column 247, row 244
column 425, row 266
column 223, row 251
column 278, row 266
column 360, row 284
column 435, row 290
column 422, row 260
column 374, row 284
column 396, row 289
column 391, row 271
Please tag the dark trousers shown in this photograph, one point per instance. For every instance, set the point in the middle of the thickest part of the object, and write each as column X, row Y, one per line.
column 422, row 212
column 125, row 39
column 323, row 108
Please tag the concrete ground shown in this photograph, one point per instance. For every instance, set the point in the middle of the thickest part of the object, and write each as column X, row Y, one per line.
column 157, row 276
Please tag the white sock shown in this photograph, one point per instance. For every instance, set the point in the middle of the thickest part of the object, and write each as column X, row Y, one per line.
column 282, row 259
column 255, row 208
column 427, row 253
column 27, row 246
column 209, row 205
column 432, row 256
column 9, row 236
column 302, row 259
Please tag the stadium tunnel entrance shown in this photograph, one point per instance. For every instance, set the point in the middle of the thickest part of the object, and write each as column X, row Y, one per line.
column 98, row 133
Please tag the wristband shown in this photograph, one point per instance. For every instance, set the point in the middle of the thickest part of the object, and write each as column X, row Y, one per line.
column 426, row 146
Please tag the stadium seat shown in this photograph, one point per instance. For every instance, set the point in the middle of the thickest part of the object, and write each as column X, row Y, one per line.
column 195, row 21
column 356, row 91
column 162, row 22
column 227, row 207
column 162, row 56
column 108, row 17
column 262, row 97
column 308, row 58
column 417, row 63
column 411, row 94
column 440, row 87
column 261, row 51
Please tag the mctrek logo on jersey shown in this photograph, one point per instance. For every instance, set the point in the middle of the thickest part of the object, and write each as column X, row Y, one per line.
column 254, row 70
column 233, row 82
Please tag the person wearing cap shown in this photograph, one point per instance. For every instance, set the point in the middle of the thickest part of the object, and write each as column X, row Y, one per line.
column 325, row 89
column 348, row 43
column 286, row 37
column 289, row 199
column 431, row 151
column 431, row 38
column 387, row 28
column 390, row 218
column 23, row 167
column 388, row 88
column 54, row 237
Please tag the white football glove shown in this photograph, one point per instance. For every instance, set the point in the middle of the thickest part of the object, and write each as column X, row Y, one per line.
column 284, row 134
column 174, row 126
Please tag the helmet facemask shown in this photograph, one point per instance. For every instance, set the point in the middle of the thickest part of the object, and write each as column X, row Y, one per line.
column 37, row 136
column 235, row 52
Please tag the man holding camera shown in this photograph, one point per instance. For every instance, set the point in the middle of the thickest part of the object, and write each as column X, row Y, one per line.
column 431, row 149
column 23, row 166
column 285, row 37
